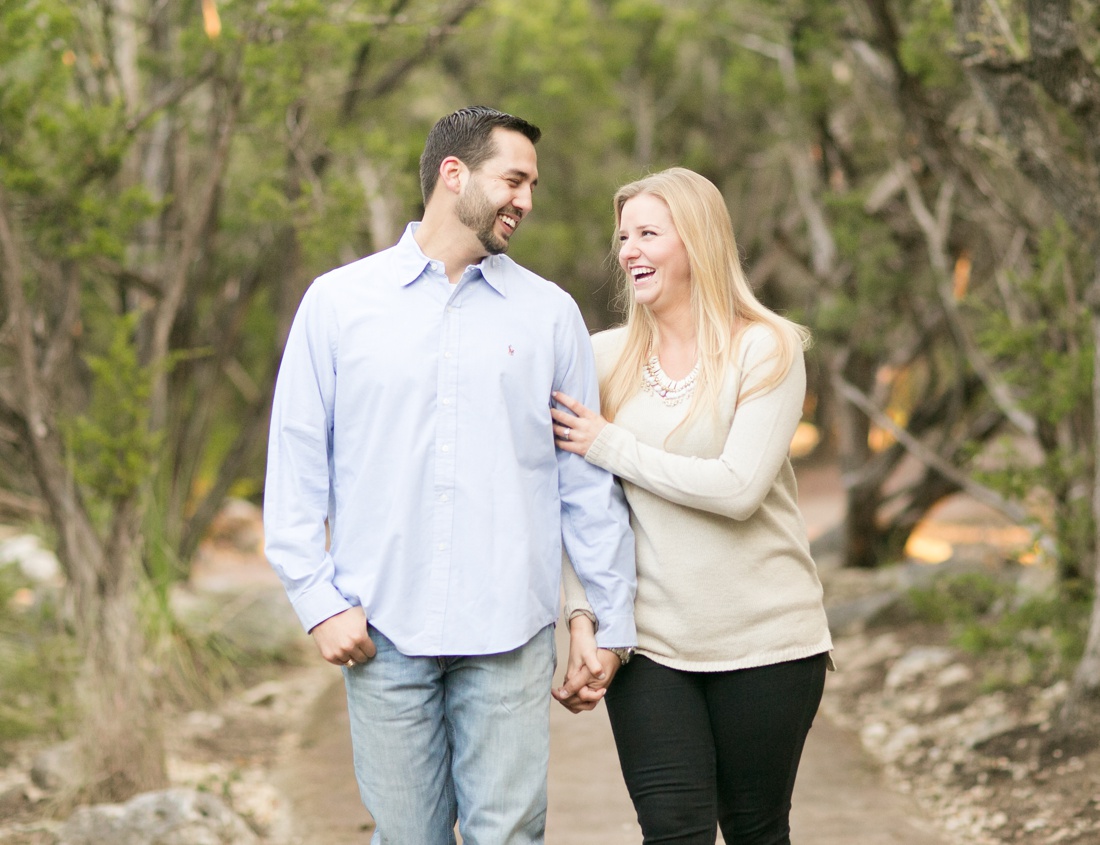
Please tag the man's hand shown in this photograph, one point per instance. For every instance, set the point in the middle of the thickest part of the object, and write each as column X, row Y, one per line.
column 343, row 639
column 589, row 670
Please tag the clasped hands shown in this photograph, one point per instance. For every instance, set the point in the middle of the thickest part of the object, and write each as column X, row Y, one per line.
column 589, row 671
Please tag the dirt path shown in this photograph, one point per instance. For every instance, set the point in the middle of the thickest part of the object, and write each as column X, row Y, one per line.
column 840, row 797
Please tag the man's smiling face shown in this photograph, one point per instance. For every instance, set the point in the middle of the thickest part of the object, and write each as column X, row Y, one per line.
column 498, row 195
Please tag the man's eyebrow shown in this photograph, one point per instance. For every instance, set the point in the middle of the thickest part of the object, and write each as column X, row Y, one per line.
column 522, row 174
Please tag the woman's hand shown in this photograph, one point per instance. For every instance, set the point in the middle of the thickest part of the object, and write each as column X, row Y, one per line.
column 575, row 432
column 589, row 670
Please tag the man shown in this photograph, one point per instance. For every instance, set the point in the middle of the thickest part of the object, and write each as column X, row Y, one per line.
column 412, row 413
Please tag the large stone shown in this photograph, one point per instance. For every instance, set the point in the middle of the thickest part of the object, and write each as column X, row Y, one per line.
column 917, row 663
column 54, row 768
column 240, row 525
column 169, row 817
column 259, row 621
column 36, row 563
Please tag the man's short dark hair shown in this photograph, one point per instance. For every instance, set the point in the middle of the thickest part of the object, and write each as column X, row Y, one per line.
column 467, row 135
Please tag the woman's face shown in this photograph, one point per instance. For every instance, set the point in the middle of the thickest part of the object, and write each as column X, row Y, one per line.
column 652, row 254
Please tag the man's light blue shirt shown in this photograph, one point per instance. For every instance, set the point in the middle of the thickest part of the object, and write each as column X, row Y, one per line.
column 413, row 415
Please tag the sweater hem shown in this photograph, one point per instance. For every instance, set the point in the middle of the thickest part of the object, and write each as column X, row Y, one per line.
column 751, row 662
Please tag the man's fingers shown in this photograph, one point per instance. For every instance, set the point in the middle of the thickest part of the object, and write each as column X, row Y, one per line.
column 369, row 649
column 362, row 650
column 586, row 699
column 577, row 680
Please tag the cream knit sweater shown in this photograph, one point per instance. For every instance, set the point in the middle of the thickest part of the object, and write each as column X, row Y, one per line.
column 725, row 577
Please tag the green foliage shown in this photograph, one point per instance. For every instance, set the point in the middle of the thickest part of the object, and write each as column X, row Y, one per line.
column 927, row 44
column 37, row 662
column 958, row 598
column 1044, row 350
column 1039, row 638
column 112, row 446
column 862, row 312
column 1057, row 329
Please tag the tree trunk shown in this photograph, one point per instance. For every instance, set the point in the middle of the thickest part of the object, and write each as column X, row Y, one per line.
column 1082, row 706
column 864, row 495
column 122, row 749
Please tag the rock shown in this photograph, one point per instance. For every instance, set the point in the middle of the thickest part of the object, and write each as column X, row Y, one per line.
column 852, row 616
column 36, row 563
column 259, row 621
column 14, row 548
column 53, row 768
column 917, row 663
column 168, row 817
column 240, row 525
column 12, row 800
column 953, row 675
column 1037, row 579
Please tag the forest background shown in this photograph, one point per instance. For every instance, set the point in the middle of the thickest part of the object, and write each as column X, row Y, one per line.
column 915, row 180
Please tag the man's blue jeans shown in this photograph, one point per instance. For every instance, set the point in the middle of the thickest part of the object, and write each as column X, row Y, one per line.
column 443, row 738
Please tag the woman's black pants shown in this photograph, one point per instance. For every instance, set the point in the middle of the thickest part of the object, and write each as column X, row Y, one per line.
column 701, row 750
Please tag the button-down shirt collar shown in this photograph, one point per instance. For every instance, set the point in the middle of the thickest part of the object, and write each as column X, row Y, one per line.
column 411, row 263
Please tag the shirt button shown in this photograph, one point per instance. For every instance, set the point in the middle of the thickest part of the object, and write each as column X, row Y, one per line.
column 446, row 401
column 442, row 497
column 444, row 448
column 441, row 546
column 446, row 354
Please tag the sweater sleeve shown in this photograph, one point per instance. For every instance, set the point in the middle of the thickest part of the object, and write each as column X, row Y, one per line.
column 735, row 483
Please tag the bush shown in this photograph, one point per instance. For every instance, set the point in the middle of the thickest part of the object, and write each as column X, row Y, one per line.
column 37, row 661
column 1029, row 638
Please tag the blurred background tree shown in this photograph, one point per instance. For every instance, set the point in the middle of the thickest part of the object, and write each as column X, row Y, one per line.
column 913, row 179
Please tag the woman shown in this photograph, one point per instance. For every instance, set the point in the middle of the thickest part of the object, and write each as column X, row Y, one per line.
column 702, row 390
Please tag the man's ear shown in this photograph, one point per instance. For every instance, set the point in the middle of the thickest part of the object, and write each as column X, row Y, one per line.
column 453, row 174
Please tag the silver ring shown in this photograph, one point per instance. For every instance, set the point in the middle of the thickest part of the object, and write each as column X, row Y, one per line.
column 350, row 663
column 565, row 436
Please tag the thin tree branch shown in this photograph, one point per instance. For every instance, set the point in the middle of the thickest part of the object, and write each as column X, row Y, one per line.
column 929, row 458
column 434, row 38
column 174, row 289
column 936, row 228
column 33, row 406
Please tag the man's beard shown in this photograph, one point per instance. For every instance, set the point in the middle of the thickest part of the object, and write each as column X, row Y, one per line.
column 475, row 211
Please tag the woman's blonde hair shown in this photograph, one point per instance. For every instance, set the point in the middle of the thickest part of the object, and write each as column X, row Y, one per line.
column 722, row 303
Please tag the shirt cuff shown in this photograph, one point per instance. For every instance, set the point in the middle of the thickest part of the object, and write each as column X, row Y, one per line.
column 318, row 604
column 617, row 632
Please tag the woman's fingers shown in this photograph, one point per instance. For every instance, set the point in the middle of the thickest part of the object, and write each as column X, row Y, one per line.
column 569, row 402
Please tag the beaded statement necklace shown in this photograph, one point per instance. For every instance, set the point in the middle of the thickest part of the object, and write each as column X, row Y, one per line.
column 670, row 391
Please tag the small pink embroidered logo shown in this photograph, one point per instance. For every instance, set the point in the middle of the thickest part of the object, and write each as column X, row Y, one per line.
column 511, row 351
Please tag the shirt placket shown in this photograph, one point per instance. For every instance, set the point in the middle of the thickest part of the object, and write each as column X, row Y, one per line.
column 446, row 436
